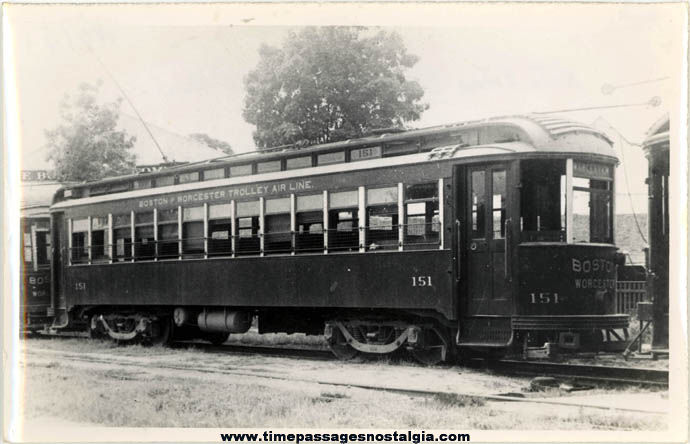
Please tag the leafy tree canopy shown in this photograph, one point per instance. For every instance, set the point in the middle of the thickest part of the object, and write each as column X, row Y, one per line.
column 87, row 145
column 213, row 143
column 328, row 84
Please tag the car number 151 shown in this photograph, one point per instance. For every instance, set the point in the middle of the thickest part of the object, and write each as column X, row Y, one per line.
column 421, row 281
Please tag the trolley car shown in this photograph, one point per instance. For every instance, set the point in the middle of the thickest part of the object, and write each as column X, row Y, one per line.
column 481, row 234
column 657, row 150
column 35, row 305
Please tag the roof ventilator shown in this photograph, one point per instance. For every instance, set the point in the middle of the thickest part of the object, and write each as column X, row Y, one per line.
column 444, row 152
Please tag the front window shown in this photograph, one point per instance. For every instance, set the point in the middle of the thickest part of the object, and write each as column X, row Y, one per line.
column 545, row 200
column 591, row 210
column 542, row 207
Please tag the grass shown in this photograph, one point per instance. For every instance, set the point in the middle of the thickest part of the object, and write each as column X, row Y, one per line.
column 115, row 396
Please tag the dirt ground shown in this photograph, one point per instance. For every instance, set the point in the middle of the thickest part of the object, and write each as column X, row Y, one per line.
column 86, row 382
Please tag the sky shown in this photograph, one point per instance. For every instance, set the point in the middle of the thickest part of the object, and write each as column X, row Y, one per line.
column 183, row 67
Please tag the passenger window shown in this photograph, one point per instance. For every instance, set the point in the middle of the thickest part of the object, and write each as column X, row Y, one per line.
column 144, row 244
column 122, row 237
column 28, row 250
column 168, row 241
column 80, row 229
column 99, row 239
column 193, row 231
column 277, row 235
column 309, row 219
column 248, row 228
column 422, row 224
column 42, row 248
column 343, row 221
column 382, row 218
column 220, row 229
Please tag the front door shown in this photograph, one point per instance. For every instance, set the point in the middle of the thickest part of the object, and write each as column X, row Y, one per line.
column 487, row 223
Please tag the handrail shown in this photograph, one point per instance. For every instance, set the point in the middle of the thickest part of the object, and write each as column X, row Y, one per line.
column 458, row 252
column 508, row 249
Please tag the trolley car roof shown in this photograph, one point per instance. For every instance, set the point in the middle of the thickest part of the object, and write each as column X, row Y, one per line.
column 527, row 134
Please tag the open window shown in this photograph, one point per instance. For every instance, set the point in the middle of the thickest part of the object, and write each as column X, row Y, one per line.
column 193, row 231
column 247, row 222
column 343, row 221
column 543, row 206
column 545, row 199
column 309, row 220
column 80, row 232
column 422, row 223
column 220, row 230
column 592, row 202
column 122, row 237
column 168, row 238
column 382, row 218
column 144, row 243
column 42, row 244
column 277, row 233
column 100, row 243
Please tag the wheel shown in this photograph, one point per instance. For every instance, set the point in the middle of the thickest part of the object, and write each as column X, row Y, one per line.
column 98, row 332
column 436, row 348
column 340, row 348
column 161, row 332
column 216, row 338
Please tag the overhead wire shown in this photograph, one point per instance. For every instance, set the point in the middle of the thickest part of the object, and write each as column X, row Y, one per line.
column 124, row 93
column 621, row 138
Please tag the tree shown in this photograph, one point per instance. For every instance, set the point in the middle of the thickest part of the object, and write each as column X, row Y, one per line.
column 213, row 143
column 329, row 84
column 87, row 145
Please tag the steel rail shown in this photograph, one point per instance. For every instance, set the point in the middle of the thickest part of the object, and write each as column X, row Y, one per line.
column 83, row 357
column 595, row 373
column 513, row 367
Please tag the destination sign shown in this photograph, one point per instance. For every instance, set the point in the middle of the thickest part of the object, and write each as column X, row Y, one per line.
column 37, row 175
column 225, row 194
column 592, row 170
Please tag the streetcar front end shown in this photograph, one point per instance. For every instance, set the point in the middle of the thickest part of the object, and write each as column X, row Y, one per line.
column 567, row 259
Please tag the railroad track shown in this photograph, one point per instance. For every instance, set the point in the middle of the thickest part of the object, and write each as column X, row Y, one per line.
column 581, row 372
column 592, row 373
column 595, row 374
column 90, row 358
